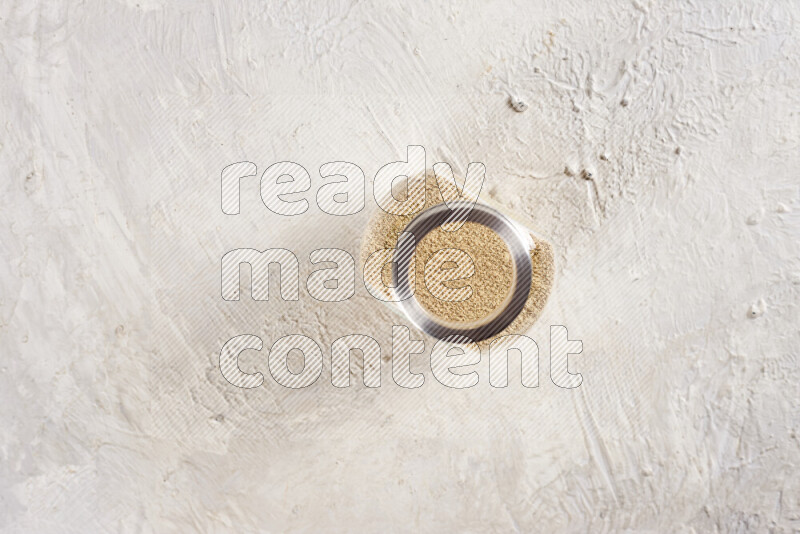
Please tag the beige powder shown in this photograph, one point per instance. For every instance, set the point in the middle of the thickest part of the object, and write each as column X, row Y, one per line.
column 384, row 229
column 491, row 282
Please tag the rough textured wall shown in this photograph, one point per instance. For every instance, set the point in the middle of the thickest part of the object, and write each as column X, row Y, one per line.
column 659, row 153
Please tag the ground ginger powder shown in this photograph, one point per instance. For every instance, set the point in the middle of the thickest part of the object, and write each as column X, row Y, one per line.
column 491, row 282
column 493, row 277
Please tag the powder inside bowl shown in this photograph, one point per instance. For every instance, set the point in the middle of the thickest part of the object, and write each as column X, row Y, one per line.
column 491, row 281
column 384, row 229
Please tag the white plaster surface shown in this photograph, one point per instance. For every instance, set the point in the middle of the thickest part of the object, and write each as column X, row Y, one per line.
column 660, row 151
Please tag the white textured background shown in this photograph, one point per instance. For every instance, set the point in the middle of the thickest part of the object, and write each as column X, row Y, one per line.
column 678, row 264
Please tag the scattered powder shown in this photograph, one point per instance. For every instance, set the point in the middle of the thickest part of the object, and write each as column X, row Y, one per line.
column 382, row 233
